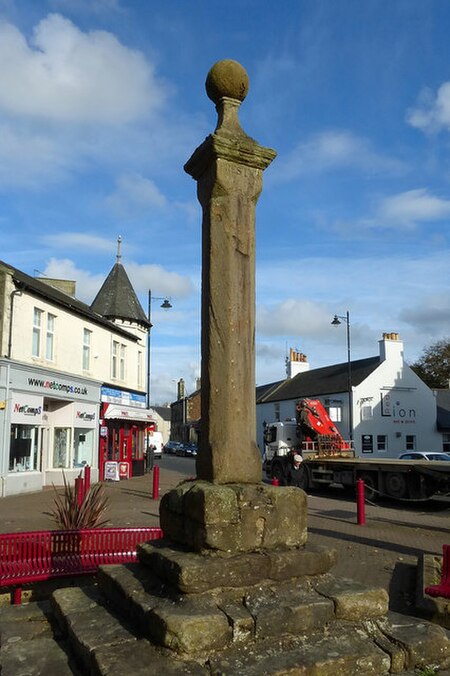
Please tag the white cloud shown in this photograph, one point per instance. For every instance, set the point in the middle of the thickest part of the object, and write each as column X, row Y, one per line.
column 432, row 113
column 80, row 240
column 162, row 282
column 133, row 193
column 87, row 283
column 142, row 277
column 331, row 150
column 413, row 206
column 291, row 317
column 66, row 75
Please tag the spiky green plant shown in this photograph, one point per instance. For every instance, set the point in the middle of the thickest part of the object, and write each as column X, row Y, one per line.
column 68, row 515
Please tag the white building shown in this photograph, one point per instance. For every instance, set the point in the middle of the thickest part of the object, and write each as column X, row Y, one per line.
column 59, row 358
column 392, row 409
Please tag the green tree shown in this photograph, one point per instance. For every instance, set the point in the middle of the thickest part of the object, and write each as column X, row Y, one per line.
column 433, row 366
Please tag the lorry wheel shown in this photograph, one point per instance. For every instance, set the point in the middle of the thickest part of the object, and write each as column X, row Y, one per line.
column 370, row 486
column 396, row 485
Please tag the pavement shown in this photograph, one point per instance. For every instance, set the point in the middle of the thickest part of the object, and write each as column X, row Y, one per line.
column 384, row 551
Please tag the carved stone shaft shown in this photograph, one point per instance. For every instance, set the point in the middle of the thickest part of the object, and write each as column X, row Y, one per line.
column 228, row 168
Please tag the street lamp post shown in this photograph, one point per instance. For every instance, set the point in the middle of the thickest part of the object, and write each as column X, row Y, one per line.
column 336, row 322
column 166, row 305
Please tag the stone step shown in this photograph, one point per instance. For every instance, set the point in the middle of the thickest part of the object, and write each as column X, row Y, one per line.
column 393, row 645
column 195, row 623
column 104, row 644
column 31, row 643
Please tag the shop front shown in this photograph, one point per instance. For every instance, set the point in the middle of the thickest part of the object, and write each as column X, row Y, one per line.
column 48, row 427
column 123, row 439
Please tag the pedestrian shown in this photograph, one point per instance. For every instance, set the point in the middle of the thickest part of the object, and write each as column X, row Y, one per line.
column 150, row 457
column 295, row 474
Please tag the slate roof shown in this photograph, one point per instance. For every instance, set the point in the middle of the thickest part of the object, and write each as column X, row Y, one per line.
column 443, row 410
column 164, row 412
column 59, row 298
column 322, row 381
column 117, row 299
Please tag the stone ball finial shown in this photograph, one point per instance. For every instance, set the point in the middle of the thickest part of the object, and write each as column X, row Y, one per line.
column 227, row 78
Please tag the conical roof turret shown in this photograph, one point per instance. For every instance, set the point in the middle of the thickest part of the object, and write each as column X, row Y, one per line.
column 117, row 298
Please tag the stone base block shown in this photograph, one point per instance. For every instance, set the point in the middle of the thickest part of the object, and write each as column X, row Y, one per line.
column 234, row 517
column 192, row 573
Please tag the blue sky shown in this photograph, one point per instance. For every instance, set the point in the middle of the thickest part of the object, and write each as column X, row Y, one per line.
column 103, row 101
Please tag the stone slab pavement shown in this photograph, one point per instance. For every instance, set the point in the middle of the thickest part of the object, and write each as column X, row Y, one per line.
column 384, row 551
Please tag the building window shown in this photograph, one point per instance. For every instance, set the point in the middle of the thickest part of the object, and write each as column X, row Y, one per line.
column 277, row 417
column 139, row 369
column 410, row 442
column 446, row 443
column 118, row 360
column 122, row 362
column 366, row 412
column 381, row 442
column 335, row 413
column 50, row 337
column 86, row 349
column 37, row 323
column 115, row 359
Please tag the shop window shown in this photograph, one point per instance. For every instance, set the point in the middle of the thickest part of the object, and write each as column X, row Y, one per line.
column 410, row 442
column 83, row 447
column 381, row 442
column 61, row 447
column 86, row 349
column 446, row 443
column 23, row 454
column 37, row 324
column 50, row 337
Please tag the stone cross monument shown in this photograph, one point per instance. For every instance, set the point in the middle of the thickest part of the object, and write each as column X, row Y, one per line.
column 228, row 168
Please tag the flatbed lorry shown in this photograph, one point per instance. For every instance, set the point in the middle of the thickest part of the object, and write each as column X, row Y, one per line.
column 329, row 459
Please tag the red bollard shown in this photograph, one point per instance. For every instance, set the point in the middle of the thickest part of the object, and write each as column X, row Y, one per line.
column 155, row 482
column 275, row 481
column 79, row 490
column 360, row 503
column 87, row 478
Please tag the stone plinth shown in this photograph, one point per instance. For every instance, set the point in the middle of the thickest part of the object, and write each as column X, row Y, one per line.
column 234, row 518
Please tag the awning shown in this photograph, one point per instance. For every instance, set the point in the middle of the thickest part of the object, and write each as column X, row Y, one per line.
column 128, row 413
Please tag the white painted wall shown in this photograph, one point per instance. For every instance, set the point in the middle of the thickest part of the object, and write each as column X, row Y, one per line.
column 68, row 344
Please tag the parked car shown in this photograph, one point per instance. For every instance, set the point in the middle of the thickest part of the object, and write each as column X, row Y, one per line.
column 172, row 446
column 425, row 455
column 187, row 450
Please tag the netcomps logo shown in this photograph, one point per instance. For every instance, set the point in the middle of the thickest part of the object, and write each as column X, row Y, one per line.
column 54, row 385
column 24, row 409
column 83, row 415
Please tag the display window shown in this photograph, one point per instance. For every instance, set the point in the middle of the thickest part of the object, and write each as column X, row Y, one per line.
column 24, row 451
column 83, row 447
column 61, row 447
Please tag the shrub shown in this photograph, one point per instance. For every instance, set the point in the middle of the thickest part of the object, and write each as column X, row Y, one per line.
column 68, row 515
